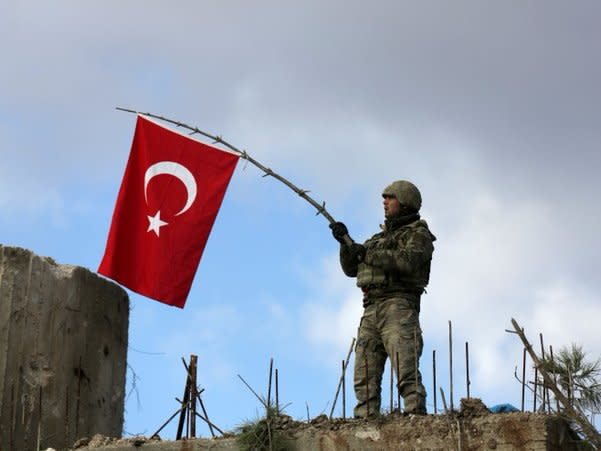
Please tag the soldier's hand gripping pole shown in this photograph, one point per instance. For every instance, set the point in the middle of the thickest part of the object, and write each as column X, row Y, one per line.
column 321, row 208
column 340, row 233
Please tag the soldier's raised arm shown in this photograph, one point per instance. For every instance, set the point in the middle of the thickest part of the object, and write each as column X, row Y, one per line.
column 350, row 255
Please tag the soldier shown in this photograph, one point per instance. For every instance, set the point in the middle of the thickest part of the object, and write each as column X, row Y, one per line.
column 392, row 269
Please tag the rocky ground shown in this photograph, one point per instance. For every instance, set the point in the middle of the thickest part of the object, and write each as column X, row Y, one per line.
column 473, row 427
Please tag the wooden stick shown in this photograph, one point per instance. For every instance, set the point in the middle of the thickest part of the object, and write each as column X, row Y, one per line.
column 321, row 208
column 197, row 397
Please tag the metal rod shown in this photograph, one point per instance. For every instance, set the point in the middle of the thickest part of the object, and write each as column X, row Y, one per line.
column 210, row 424
column 169, row 420
column 188, row 420
column 186, row 398
column 451, row 364
column 523, row 379
column 434, row 379
column 348, row 356
column 253, row 392
column 321, row 208
column 277, row 393
column 343, row 391
column 535, row 388
column 467, row 369
column 457, row 446
column 206, row 416
column 269, row 387
column 307, row 405
column 193, row 394
column 554, row 374
column 545, row 390
column 444, row 400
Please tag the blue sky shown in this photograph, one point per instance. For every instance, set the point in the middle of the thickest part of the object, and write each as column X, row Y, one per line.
column 493, row 111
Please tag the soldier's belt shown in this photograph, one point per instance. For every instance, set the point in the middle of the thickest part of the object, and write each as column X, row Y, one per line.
column 385, row 290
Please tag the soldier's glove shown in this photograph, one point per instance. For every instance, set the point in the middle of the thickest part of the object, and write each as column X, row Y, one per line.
column 339, row 230
column 357, row 252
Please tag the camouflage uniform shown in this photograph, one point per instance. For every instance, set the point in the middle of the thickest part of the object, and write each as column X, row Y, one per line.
column 393, row 274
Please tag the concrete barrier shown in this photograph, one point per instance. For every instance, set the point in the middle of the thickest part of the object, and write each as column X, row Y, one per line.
column 63, row 350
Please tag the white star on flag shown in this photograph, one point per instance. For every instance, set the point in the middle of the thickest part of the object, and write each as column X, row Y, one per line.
column 155, row 223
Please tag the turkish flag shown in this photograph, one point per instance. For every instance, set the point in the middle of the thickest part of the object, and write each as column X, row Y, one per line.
column 169, row 197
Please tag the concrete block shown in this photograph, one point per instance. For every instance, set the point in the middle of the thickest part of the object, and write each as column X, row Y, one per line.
column 63, row 352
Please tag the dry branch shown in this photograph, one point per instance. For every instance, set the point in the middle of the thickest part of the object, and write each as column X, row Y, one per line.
column 587, row 428
column 321, row 208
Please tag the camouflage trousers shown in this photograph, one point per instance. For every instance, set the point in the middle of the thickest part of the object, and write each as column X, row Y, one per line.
column 390, row 329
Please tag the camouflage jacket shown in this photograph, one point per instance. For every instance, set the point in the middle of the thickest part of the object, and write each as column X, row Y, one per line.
column 396, row 259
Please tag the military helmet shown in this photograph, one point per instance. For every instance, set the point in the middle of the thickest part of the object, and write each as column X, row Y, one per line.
column 405, row 192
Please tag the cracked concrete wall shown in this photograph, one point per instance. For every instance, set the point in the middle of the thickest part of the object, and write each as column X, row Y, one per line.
column 63, row 350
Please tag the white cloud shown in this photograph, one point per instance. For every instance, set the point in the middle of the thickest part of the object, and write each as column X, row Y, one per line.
column 330, row 318
column 565, row 313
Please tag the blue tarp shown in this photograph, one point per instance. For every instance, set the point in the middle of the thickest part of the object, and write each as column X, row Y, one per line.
column 503, row 408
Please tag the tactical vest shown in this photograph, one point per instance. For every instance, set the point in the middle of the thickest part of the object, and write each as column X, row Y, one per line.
column 399, row 241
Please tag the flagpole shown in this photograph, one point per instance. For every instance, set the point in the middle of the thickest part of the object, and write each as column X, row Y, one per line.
column 321, row 208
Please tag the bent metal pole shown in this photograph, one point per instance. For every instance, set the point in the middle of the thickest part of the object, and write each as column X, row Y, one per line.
column 321, row 208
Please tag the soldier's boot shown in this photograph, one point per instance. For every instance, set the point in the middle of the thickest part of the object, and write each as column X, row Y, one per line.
column 361, row 410
column 415, row 404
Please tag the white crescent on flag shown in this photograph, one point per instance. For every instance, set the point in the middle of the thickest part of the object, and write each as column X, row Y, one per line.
column 178, row 171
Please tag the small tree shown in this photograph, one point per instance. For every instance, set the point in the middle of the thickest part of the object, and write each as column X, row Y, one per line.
column 578, row 378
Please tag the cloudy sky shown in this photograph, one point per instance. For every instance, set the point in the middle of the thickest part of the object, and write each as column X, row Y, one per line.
column 492, row 108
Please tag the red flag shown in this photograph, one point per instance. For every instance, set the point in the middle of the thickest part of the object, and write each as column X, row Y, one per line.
column 170, row 195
